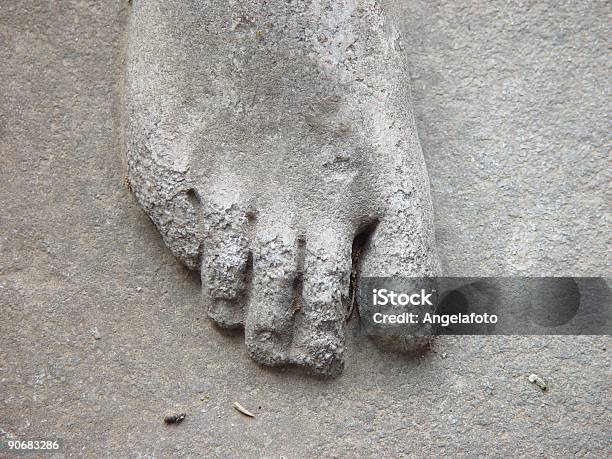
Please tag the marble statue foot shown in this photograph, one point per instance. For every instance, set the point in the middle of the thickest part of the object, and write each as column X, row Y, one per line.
column 273, row 145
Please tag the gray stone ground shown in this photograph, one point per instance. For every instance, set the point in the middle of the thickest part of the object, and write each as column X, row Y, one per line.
column 102, row 331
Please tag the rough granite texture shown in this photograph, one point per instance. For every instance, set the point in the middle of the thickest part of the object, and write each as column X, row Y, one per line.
column 103, row 330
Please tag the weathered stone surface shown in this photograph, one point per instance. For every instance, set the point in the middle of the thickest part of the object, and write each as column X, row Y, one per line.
column 512, row 105
column 79, row 259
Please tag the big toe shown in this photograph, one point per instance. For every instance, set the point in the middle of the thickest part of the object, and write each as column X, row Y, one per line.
column 400, row 252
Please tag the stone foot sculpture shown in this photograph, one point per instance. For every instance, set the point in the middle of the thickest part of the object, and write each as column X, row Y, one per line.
column 262, row 139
